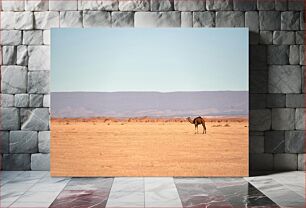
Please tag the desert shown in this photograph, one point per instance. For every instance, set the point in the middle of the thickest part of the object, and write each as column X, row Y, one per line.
column 148, row 146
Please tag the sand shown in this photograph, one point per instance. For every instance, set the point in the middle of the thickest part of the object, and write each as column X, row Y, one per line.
column 99, row 147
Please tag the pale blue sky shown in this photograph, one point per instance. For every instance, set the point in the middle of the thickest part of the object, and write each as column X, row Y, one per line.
column 165, row 60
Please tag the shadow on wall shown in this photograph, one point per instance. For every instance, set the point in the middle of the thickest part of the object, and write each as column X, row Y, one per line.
column 276, row 84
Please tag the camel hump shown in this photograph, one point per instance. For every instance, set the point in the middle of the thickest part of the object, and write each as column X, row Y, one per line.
column 198, row 119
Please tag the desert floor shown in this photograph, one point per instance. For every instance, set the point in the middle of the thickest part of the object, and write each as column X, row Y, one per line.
column 107, row 148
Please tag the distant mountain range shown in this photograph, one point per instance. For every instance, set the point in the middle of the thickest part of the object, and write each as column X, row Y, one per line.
column 152, row 104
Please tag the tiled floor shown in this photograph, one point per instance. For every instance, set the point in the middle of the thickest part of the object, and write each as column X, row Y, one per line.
column 38, row 190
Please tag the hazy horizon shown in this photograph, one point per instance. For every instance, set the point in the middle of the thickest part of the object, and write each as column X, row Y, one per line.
column 151, row 104
column 158, row 91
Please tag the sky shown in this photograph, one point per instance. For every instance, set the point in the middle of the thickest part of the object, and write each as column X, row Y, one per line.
column 139, row 59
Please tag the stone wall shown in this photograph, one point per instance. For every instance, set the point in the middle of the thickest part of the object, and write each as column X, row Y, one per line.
column 276, row 67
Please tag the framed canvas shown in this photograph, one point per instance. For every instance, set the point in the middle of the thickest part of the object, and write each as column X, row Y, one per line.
column 149, row 102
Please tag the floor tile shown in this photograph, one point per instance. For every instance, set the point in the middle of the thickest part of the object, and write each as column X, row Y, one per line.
column 80, row 199
column 7, row 200
column 29, row 176
column 255, row 198
column 33, row 175
column 39, row 197
column 11, row 191
column 50, row 184
column 203, row 194
column 243, row 194
column 155, row 184
column 222, row 192
column 128, row 184
column 277, row 192
column 195, row 189
column 7, row 176
column 291, row 180
column 192, row 180
column 17, row 187
column 161, row 192
column 163, row 198
column 221, row 181
column 84, row 192
column 38, row 190
column 101, row 184
column 22, row 204
column 125, row 199
column 49, row 179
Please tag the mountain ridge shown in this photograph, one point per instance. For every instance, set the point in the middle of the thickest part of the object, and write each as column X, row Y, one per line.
column 153, row 104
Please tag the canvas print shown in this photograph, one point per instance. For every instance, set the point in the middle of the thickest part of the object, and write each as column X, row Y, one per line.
column 149, row 102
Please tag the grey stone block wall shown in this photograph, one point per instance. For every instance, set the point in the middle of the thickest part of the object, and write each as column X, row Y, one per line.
column 277, row 127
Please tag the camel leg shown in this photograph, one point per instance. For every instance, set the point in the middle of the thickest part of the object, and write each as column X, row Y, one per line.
column 195, row 129
column 204, row 128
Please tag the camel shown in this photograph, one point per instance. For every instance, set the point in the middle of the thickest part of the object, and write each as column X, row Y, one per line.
column 197, row 121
